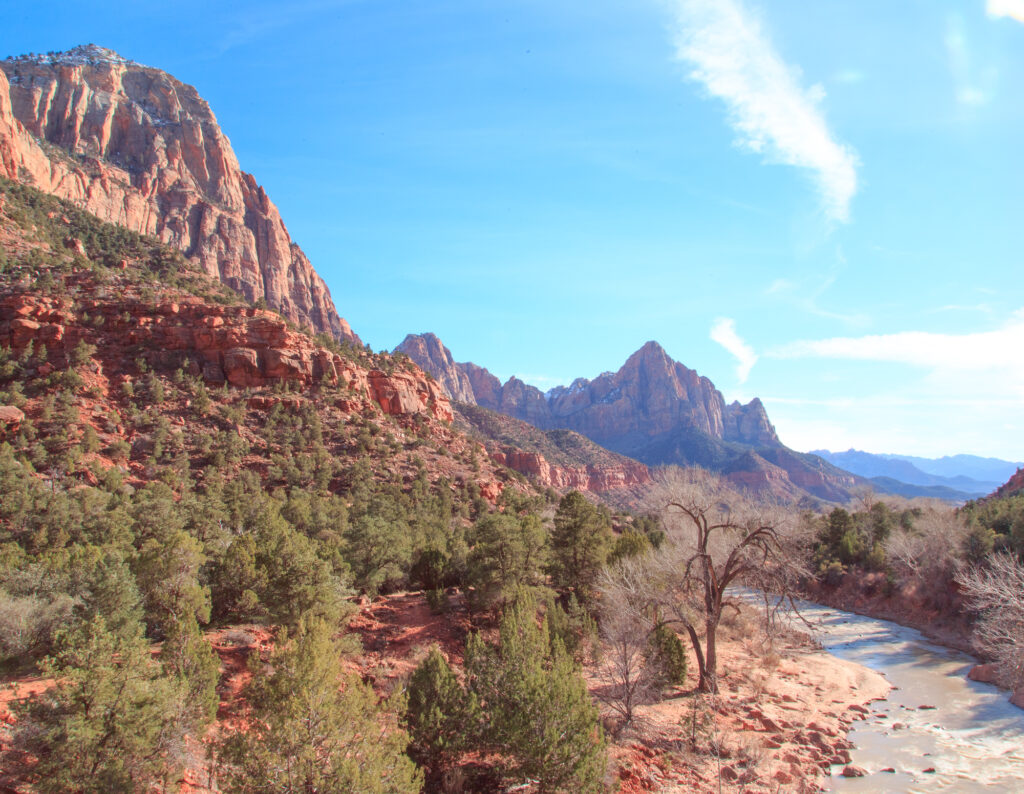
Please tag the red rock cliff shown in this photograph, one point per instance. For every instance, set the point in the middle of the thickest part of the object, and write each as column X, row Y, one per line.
column 136, row 147
column 428, row 352
column 593, row 478
column 242, row 346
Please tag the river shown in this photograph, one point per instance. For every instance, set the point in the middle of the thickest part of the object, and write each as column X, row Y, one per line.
column 971, row 736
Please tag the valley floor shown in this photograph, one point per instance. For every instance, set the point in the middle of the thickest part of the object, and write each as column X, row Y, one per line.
column 779, row 724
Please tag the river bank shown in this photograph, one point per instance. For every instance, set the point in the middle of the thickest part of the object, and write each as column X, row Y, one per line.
column 780, row 722
column 937, row 730
column 866, row 595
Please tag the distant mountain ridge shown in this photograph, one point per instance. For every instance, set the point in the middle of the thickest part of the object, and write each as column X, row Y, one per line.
column 136, row 147
column 968, row 475
column 654, row 410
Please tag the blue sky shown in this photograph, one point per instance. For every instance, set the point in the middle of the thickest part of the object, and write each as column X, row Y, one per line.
column 819, row 204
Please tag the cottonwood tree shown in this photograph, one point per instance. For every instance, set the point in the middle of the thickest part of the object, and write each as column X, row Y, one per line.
column 928, row 554
column 997, row 592
column 717, row 538
column 628, row 680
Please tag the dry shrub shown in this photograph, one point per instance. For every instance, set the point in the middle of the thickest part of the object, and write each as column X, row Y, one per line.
column 239, row 638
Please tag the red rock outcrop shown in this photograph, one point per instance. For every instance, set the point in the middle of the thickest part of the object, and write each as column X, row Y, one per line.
column 242, row 346
column 593, row 478
column 136, row 147
column 1012, row 486
column 11, row 418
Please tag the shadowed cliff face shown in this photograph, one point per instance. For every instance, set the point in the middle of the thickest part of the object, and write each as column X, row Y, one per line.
column 649, row 397
column 136, row 147
column 653, row 410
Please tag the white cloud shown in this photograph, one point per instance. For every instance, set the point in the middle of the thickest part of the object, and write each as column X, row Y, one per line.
column 975, row 365
column 724, row 332
column 807, row 297
column 1014, row 9
column 769, row 109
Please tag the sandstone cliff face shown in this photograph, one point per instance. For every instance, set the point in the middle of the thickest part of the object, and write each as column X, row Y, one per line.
column 593, row 478
column 486, row 387
column 136, row 147
column 427, row 351
column 651, row 395
column 242, row 346
column 657, row 411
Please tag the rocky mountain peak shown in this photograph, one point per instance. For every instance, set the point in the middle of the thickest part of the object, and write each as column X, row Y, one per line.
column 137, row 147
column 82, row 55
column 428, row 351
column 657, row 411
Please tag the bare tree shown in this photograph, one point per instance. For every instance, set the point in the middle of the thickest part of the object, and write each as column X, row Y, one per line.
column 717, row 538
column 930, row 549
column 997, row 592
column 628, row 679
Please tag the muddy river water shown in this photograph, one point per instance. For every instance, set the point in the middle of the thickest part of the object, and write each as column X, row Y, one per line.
column 968, row 734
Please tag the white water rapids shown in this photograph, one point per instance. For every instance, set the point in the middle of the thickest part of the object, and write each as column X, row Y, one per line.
column 973, row 738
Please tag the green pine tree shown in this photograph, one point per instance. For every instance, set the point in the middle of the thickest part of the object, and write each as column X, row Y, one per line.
column 440, row 714
column 536, row 708
column 580, row 544
column 314, row 729
column 109, row 723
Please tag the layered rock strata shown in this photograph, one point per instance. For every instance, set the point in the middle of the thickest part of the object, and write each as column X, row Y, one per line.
column 136, row 147
column 242, row 346
column 587, row 477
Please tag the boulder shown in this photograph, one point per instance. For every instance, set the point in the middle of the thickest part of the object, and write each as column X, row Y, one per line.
column 75, row 245
column 1017, row 698
column 242, row 367
column 985, row 673
column 11, row 417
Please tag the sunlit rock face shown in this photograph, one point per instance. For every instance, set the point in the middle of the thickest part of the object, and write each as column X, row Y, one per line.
column 136, row 147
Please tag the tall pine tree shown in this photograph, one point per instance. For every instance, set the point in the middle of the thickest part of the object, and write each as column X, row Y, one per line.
column 314, row 729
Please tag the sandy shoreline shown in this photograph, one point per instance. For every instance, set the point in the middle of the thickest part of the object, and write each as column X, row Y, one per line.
column 781, row 721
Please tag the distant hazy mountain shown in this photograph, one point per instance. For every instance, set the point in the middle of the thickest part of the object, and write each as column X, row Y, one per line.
column 891, row 486
column 972, row 466
column 969, row 475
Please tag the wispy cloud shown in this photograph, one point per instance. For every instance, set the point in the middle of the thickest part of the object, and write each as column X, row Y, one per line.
column 972, row 85
column 771, row 112
column 987, row 360
column 1014, row 9
column 259, row 21
column 724, row 332
column 808, row 297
